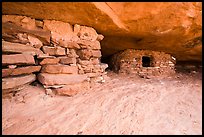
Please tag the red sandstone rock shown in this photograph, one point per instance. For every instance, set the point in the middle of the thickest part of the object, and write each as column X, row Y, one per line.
column 67, row 44
column 54, row 50
column 72, row 53
column 49, row 61
column 84, row 54
column 18, row 59
column 96, row 53
column 20, row 71
column 95, row 61
column 93, row 74
column 25, row 22
column 42, row 56
column 83, row 62
column 57, row 69
column 19, row 48
column 13, row 82
column 73, row 89
column 10, row 29
column 89, row 44
column 87, row 33
column 59, row 79
column 35, row 42
column 59, row 30
column 67, row 60
column 100, row 37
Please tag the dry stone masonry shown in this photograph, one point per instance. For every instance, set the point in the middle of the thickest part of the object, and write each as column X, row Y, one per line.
column 143, row 62
column 64, row 58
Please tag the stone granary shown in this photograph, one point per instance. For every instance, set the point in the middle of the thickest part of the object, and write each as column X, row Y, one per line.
column 143, row 62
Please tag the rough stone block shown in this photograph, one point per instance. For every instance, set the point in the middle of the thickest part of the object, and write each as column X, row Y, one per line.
column 13, row 82
column 54, row 50
column 59, row 30
column 18, row 59
column 70, row 90
column 9, row 47
column 87, row 33
column 96, row 53
column 72, row 53
column 25, row 22
column 100, row 37
column 60, row 79
column 49, row 61
column 84, row 44
column 35, row 42
column 20, row 71
column 84, row 54
column 67, row 44
column 67, row 60
column 42, row 56
column 57, row 69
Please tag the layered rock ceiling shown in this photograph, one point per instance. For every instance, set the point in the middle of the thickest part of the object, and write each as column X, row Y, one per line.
column 172, row 27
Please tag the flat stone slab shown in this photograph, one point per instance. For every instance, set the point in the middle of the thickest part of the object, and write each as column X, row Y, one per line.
column 67, row 60
column 54, row 50
column 14, row 82
column 60, row 79
column 49, row 61
column 57, row 69
column 73, row 89
column 19, row 48
column 42, row 56
column 20, row 71
column 18, row 59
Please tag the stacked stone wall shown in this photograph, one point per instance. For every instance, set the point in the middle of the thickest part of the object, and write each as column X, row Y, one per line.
column 130, row 62
column 64, row 58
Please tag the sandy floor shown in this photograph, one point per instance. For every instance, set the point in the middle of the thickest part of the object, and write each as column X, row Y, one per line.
column 121, row 105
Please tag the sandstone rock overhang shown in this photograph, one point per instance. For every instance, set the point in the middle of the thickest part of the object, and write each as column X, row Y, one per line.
column 171, row 27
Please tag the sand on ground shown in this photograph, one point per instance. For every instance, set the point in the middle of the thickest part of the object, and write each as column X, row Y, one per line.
column 121, row 105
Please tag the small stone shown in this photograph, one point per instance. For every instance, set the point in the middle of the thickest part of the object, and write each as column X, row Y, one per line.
column 84, row 54
column 100, row 37
column 49, row 61
column 35, row 42
column 12, row 66
column 54, row 50
column 96, row 53
column 67, row 60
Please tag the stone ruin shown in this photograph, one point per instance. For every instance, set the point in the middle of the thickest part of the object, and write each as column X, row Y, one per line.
column 64, row 58
column 143, row 62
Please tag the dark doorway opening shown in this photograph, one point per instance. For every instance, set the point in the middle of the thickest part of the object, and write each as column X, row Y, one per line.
column 146, row 61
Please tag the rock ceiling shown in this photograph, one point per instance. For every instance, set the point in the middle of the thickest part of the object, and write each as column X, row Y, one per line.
column 172, row 27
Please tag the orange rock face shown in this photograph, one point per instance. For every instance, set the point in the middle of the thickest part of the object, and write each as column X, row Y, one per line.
column 172, row 27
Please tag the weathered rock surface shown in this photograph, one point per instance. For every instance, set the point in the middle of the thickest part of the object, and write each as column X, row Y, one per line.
column 67, row 60
column 49, row 61
column 9, row 47
column 84, row 54
column 18, row 59
column 59, row 79
column 89, row 44
column 20, row 70
column 54, row 50
column 72, row 89
column 172, row 27
column 14, row 82
column 58, row 69
column 10, row 29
